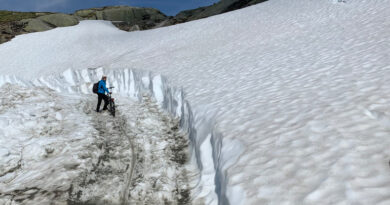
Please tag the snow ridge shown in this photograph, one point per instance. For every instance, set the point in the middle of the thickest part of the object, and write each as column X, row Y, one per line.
column 211, row 154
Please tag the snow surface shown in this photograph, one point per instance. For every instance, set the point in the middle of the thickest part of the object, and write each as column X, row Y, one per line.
column 43, row 142
column 55, row 150
column 288, row 100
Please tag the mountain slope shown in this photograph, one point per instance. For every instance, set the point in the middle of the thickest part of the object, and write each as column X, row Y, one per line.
column 222, row 6
column 126, row 18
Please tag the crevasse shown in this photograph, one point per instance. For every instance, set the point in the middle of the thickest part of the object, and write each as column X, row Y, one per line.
column 208, row 149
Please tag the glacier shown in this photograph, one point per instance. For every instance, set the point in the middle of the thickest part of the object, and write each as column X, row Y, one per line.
column 285, row 102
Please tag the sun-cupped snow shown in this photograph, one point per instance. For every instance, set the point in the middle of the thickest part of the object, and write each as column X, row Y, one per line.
column 290, row 99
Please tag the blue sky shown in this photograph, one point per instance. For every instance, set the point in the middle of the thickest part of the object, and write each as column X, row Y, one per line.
column 169, row 7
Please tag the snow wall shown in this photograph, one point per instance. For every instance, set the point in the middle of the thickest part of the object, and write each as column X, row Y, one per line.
column 211, row 154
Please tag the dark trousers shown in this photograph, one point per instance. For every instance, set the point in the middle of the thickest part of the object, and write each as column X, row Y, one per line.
column 100, row 98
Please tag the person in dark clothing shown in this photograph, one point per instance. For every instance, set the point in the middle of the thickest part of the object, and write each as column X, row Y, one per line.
column 102, row 89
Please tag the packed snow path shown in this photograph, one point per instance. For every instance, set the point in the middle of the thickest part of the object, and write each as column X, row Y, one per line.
column 55, row 149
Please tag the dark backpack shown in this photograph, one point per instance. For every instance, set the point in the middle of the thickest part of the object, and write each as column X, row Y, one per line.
column 95, row 87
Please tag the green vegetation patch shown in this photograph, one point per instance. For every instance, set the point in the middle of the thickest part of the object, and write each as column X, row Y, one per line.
column 7, row 16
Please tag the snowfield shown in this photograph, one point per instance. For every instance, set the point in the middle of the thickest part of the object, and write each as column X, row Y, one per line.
column 286, row 102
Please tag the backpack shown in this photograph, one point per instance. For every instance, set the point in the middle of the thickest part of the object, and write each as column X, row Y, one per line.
column 95, row 87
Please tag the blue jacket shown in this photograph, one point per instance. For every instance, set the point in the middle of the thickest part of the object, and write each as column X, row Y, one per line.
column 102, row 87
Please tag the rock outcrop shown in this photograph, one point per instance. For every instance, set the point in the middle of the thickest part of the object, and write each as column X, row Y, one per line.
column 16, row 23
column 50, row 21
column 8, row 30
column 59, row 20
column 215, row 9
column 12, row 24
column 34, row 25
column 125, row 17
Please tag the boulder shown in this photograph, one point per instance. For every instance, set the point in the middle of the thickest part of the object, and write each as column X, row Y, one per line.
column 126, row 15
column 132, row 14
column 59, row 20
column 87, row 14
column 35, row 25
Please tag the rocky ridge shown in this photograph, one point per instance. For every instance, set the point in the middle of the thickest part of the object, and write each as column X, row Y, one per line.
column 126, row 18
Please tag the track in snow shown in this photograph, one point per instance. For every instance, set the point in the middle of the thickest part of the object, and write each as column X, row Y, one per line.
column 144, row 151
column 139, row 157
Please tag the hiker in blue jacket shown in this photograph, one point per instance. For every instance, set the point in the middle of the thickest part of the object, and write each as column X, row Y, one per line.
column 102, row 89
